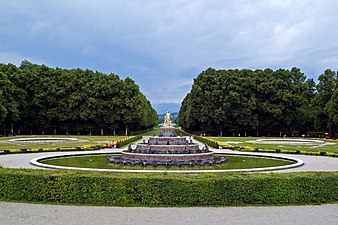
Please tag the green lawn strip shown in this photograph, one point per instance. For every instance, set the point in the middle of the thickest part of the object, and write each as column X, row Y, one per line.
column 100, row 161
column 89, row 141
column 306, row 148
column 155, row 132
column 164, row 189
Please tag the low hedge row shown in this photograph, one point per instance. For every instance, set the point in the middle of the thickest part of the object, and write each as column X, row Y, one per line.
column 72, row 187
column 290, row 151
column 126, row 141
column 207, row 141
column 65, row 149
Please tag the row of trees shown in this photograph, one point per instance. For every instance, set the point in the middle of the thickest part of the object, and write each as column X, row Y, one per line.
column 39, row 98
column 260, row 102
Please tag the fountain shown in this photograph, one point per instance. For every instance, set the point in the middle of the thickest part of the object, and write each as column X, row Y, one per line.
column 167, row 149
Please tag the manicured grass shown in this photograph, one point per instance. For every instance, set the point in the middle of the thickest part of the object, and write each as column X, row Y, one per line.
column 244, row 141
column 88, row 141
column 100, row 161
column 154, row 132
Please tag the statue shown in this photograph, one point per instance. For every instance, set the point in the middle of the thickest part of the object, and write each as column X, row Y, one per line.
column 167, row 120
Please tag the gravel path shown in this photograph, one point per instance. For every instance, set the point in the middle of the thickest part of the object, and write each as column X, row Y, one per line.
column 25, row 214
column 311, row 163
column 36, row 214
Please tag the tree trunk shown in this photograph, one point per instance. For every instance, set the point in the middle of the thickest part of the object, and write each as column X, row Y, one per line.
column 19, row 131
column 12, row 130
column 90, row 133
column 114, row 132
column 257, row 133
column 280, row 133
column 101, row 131
column 221, row 133
column 126, row 131
column 245, row 134
column 43, row 132
column 54, row 131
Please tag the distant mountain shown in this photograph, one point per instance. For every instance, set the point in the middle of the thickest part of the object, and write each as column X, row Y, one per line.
column 164, row 107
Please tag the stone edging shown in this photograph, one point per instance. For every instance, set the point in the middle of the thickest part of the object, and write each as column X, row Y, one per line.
column 297, row 163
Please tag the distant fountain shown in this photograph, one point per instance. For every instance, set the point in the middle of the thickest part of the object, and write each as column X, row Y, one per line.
column 167, row 149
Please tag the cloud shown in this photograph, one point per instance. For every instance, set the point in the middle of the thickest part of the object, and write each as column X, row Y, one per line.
column 163, row 45
column 16, row 59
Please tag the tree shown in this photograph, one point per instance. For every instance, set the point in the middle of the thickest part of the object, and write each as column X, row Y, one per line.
column 332, row 111
column 247, row 101
column 39, row 98
column 325, row 88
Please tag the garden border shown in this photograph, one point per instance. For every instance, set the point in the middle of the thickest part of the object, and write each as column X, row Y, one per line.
column 297, row 163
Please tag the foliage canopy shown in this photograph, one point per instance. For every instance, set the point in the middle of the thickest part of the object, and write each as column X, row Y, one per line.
column 260, row 101
column 36, row 97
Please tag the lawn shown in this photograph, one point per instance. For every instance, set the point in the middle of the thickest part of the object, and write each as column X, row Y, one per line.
column 331, row 146
column 86, row 141
column 100, row 161
column 155, row 131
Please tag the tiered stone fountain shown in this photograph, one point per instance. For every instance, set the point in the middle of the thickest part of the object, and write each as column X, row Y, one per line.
column 167, row 149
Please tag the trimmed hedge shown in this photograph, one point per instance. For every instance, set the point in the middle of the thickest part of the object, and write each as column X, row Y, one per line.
column 63, row 149
column 207, row 141
column 72, row 187
column 123, row 142
column 286, row 151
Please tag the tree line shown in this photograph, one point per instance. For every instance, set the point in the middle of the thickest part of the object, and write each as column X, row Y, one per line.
column 260, row 102
column 36, row 98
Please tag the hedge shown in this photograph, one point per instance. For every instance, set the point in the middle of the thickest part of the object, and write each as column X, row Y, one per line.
column 210, row 142
column 64, row 149
column 74, row 187
column 290, row 151
column 123, row 142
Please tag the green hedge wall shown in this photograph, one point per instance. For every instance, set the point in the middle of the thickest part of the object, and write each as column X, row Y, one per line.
column 72, row 187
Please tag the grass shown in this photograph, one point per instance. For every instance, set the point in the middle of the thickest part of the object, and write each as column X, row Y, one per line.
column 100, row 162
column 88, row 141
column 154, row 132
column 244, row 142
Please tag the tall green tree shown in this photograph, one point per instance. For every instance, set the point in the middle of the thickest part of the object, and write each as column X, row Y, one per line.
column 39, row 98
column 325, row 88
column 247, row 101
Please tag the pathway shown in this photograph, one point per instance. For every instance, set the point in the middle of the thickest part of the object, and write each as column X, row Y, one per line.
column 25, row 214
column 311, row 163
column 36, row 214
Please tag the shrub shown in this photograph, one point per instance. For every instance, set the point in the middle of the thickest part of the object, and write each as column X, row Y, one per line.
column 127, row 141
column 207, row 141
column 72, row 187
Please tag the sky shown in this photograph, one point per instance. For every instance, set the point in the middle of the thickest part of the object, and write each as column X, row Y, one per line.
column 164, row 44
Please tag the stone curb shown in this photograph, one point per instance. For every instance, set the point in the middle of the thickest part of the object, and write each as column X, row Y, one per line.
column 297, row 163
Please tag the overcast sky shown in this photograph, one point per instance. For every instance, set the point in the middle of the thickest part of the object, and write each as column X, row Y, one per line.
column 164, row 44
